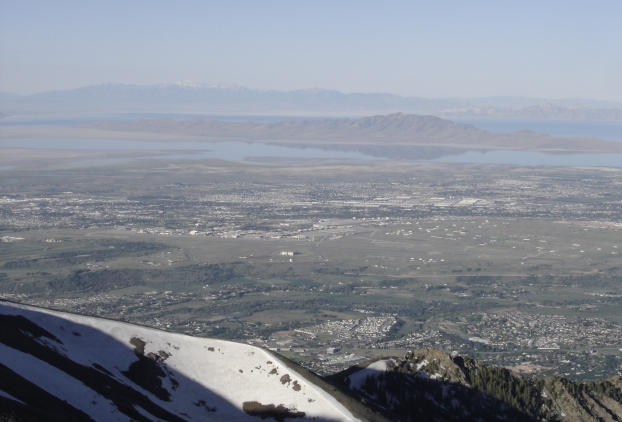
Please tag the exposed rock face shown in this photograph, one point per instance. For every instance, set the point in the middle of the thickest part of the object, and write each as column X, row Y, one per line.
column 427, row 384
column 64, row 367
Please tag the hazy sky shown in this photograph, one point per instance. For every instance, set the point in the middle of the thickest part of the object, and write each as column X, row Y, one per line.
column 444, row 48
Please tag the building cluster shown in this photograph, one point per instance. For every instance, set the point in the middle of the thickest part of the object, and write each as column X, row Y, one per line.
column 364, row 329
column 426, row 338
column 222, row 209
column 519, row 330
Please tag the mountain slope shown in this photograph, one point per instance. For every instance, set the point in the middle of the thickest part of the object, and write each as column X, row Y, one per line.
column 56, row 366
column 429, row 385
column 396, row 127
column 392, row 129
column 74, row 367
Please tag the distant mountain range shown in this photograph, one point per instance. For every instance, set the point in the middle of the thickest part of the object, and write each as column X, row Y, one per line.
column 56, row 366
column 397, row 130
column 188, row 97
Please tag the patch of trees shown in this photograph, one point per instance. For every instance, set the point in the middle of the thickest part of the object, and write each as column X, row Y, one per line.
column 422, row 310
column 518, row 392
column 331, row 271
column 109, row 279
column 254, row 306
column 212, row 273
column 400, row 282
column 413, row 397
column 484, row 280
column 394, row 332
column 98, row 281
column 605, row 388
column 590, row 280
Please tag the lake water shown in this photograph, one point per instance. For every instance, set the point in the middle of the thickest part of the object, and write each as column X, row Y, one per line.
column 232, row 151
column 238, row 151
column 607, row 131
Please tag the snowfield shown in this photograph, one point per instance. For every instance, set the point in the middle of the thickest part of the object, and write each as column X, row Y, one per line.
column 191, row 378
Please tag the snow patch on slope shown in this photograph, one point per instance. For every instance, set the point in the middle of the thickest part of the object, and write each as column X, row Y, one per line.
column 59, row 384
column 206, row 378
